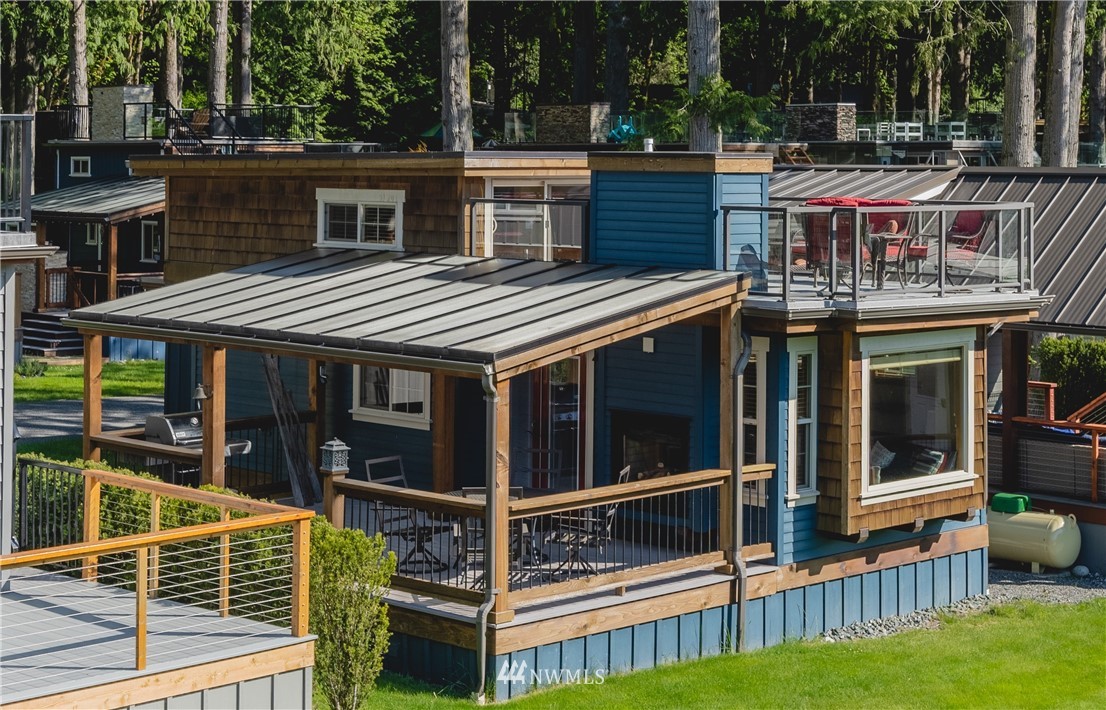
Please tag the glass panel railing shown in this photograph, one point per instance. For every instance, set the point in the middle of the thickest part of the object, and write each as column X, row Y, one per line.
column 851, row 252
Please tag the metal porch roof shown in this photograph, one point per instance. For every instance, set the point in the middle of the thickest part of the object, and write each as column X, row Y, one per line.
column 107, row 201
column 423, row 311
column 1069, row 235
column 795, row 183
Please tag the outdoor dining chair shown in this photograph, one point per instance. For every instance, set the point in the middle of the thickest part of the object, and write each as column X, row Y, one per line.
column 582, row 530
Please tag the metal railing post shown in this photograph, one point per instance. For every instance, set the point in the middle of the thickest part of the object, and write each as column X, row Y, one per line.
column 786, row 259
column 1020, row 252
column 725, row 239
column 942, row 245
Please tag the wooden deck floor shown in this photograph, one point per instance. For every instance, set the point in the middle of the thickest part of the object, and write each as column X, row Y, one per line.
column 61, row 634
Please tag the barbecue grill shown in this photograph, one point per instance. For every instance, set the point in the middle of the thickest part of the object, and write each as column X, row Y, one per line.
column 186, row 429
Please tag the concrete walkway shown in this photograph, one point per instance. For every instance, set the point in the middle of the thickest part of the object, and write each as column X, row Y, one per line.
column 64, row 417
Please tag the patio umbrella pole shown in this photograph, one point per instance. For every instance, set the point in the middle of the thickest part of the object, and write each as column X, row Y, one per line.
column 491, row 398
column 736, row 460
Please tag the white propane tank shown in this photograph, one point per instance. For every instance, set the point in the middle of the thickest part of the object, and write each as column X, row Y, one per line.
column 1042, row 538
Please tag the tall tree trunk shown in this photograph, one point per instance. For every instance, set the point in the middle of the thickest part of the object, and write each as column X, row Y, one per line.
column 703, row 66
column 1097, row 99
column 1075, row 85
column 766, row 38
column 456, row 102
column 548, row 47
column 501, row 82
column 78, row 55
column 28, row 66
column 617, row 78
column 960, row 79
column 243, row 44
column 933, row 94
column 217, row 56
column 1019, row 117
column 583, row 52
column 904, row 75
column 1057, row 126
column 172, row 74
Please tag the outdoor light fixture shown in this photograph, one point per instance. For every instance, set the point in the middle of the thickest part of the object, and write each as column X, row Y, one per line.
column 335, row 455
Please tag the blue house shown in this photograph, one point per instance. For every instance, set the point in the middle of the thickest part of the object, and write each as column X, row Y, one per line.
column 727, row 424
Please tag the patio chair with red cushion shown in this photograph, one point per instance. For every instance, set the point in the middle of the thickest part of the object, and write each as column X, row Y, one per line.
column 964, row 239
column 816, row 227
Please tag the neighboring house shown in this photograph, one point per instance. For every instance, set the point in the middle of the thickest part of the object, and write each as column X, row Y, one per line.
column 17, row 246
column 684, row 460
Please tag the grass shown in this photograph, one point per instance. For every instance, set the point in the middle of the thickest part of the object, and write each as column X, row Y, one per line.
column 120, row 379
column 1023, row 655
column 62, row 448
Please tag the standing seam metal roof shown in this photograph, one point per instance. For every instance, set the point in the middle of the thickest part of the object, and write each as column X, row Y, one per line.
column 1069, row 235
column 451, row 308
column 794, row 184
column 101, row 201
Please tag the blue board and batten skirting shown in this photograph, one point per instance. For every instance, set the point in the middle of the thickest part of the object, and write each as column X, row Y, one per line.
column 800, row 613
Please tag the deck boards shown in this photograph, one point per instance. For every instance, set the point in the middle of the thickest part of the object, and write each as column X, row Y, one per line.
column 61, row 634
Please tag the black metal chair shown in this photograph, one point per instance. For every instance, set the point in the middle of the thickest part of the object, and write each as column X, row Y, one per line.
column 582, row 530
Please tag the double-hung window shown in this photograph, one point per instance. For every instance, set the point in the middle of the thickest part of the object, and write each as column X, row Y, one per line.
column 802, row 420
column 754, row 405
column 360, row 218
column 391, row 396
column 917, row 414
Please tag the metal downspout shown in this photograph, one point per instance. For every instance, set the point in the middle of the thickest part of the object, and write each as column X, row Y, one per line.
column 737, row 456
column 491, row 398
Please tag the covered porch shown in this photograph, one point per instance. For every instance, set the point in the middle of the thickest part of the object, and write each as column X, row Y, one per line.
column 512, row 539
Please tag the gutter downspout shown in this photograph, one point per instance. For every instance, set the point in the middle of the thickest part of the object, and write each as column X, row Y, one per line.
column 737, row 457
column 491, row 397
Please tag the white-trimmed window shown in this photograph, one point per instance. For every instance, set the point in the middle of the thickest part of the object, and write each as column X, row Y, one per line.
column 151, row 242
column 93, row 234
column 802, row 454
column 917, row 414
column 546, row 232
column 390, row 396
column 754, row 402
column 360, row 218
column 80, row 166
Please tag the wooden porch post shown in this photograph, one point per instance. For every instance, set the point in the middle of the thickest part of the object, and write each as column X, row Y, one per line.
column 1015, row 375
column 500, row 539
column 441, row 430
column 213, row 462
column 41, row 287
column 93, row 393
column 113, row 261
column 314, row 426
column 727, row 359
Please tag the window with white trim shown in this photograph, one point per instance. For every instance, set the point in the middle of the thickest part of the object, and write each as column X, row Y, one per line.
column 802, row 480
column 151, row 242
column 372, row 219
column 391, row 396
column 917, row 413
column 93, row 234
column 529, row 231
column 80, row 166
column 754, row 405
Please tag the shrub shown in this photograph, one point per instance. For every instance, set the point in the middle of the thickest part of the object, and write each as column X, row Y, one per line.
column 30, row 368
column 349, row 576
column 1077, row 366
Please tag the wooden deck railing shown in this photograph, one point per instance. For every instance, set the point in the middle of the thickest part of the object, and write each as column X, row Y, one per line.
column 559, row 543
column 1062, row 463
column 210, row 565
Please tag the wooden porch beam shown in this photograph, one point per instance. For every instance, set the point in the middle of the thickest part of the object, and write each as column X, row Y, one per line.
column 499, row 540
column 93, row 394
column 442, row 389
column 113, row 261
column 213, row 462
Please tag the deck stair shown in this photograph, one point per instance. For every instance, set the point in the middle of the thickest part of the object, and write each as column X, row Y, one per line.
column 45, row 336
column 795, row 155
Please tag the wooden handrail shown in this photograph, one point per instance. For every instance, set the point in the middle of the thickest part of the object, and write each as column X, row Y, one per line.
column 244, row 505
column 757, row 472
column 130, row 543
column 1061, row 424
column 561, row 502
column 409, row 497
column 128, row 444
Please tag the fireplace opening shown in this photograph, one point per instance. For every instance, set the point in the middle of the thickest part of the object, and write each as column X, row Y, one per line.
column 650, row 444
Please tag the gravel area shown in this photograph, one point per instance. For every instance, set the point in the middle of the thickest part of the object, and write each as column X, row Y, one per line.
column 1005, row 586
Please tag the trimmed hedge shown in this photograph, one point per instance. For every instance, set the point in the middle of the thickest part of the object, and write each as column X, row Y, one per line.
column 1078, row 367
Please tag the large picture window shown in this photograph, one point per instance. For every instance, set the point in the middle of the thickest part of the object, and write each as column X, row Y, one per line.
column 390, row 396
column 367, row 218
column 917, row 417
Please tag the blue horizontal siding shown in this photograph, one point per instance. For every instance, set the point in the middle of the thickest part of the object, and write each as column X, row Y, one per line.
column 801, row 540
column 804, row 612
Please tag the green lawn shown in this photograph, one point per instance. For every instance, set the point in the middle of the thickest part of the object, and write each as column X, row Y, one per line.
column 120, row 379
column 1021, row 655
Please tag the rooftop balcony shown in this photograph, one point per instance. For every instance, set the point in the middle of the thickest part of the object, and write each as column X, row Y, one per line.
column 15, row 183
column 863, row 253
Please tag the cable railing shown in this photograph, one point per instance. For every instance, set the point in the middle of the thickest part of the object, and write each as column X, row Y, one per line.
column 555, row 543
column 132, row 568
column 1057, row 458
column 849, row 249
